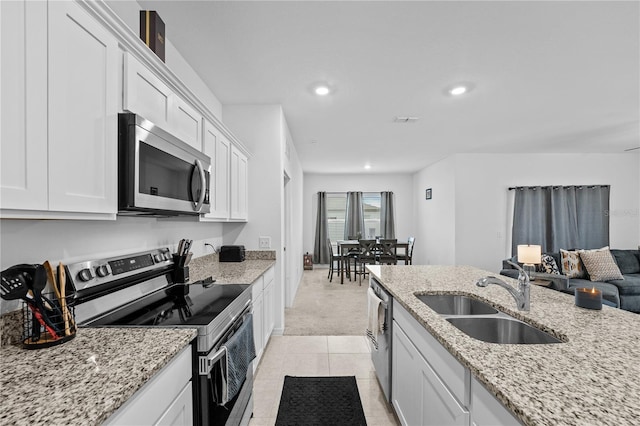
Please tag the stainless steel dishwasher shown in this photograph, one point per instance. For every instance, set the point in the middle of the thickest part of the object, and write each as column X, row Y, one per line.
column 381, row 356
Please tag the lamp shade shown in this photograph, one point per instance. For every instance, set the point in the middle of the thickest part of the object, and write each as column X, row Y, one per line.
column 529, row 254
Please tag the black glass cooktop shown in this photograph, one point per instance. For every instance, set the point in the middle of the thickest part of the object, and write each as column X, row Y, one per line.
column 172, row 307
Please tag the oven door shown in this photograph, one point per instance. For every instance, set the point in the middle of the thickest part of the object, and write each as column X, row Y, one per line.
column 210, row 404
column 158, row 172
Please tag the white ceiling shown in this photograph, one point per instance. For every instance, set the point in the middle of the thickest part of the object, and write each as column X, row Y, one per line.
column 553, row 77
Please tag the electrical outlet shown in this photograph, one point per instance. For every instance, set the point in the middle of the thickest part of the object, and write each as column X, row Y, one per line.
column 265, row 242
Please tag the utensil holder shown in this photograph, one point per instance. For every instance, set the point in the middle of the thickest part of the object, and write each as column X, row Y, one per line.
column 37, row 336
column 180, row 270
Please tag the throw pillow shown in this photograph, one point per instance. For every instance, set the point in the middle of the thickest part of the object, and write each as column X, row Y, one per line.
column 572, row 266
column 548, row 264
column 600, row 265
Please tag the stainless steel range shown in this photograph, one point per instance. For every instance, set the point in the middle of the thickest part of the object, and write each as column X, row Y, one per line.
column 137, row 290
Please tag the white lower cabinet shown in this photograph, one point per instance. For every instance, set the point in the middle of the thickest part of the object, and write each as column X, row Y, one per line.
column 431, row 387
column 166, row 399
column 262, row 293
column 486, row 410
column 419, row 396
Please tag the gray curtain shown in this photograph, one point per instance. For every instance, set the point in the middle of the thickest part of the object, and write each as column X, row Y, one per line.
column 558, row 217
column 321, row 248
column 354, row 220
column 387, row 218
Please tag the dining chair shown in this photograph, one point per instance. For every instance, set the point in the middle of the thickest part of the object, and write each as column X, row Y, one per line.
column 407, row 256
column 388, row 252
column 366, row 256
column 352, row 255
column 333, row 258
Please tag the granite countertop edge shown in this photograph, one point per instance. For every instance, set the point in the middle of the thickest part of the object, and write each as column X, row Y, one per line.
column 565, row 383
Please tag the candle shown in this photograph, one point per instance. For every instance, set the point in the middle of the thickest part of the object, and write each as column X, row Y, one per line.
column 590, row 298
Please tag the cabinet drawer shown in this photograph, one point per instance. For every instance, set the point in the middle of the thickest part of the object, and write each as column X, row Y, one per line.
column 257, row 287
column 451, row 372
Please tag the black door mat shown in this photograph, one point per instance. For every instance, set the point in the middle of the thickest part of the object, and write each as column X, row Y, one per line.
column 327, row 401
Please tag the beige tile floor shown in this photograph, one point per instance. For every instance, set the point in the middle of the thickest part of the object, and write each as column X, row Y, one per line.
column 317, row 356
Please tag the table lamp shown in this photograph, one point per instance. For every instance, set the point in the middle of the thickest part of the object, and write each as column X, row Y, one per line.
column 529, row 255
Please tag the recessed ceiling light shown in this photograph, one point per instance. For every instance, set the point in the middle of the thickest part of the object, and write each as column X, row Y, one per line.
column 459, row 89
column 322, row 90
column 367, row 166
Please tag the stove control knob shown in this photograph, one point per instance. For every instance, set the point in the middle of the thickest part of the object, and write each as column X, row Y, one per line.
column 85, row 275
column 167, row 255
column 102, row 271
column 158, row 258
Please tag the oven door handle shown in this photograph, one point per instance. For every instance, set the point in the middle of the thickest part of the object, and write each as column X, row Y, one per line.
column 210, row 361
column 206, row 363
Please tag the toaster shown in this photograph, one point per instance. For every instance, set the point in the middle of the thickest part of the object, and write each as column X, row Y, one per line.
column 231, row 254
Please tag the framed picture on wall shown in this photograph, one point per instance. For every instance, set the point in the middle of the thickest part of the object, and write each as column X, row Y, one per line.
column 428, row 194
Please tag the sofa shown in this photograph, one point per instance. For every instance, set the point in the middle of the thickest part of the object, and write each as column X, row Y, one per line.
column 622, row 292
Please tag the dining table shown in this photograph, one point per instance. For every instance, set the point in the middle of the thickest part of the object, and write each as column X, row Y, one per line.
column 344, row 246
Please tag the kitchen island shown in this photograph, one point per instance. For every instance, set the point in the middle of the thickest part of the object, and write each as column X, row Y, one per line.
column 86, row 379
column 590, row 378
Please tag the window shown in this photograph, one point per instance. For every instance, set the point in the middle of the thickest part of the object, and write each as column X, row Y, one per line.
column 371, row 206
column 336, row 212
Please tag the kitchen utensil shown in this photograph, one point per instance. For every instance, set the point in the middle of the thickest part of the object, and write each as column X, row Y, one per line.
column 14, row 284
column 181, row 247
column 36, row 284
column 188, row 258
column 62, row 283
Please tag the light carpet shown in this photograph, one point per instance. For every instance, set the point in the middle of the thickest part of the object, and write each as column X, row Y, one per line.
column 323, row 308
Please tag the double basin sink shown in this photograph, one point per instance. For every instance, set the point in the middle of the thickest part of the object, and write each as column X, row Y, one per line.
column 482, row 321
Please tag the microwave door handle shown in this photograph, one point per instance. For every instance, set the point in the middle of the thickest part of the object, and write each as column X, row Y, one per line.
column 197, row 206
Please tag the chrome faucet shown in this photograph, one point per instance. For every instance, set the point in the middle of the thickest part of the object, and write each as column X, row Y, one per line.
column 521, row 294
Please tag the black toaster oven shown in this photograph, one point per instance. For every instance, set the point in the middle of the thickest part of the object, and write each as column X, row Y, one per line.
column 231, row 254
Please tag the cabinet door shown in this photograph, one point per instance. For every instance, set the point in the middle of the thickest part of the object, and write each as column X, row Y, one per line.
column 23, row 83
column 186, row 123
column 405, row 382
column 486, row 410
column 268, row 301
column 180, row 412
column 420, row 397
column 216, row 146
column 239, row 180
column 83, row 107
column 145, row 94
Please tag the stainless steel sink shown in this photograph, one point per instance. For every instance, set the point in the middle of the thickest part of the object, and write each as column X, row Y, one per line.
column 456, row 304
column 502, row 330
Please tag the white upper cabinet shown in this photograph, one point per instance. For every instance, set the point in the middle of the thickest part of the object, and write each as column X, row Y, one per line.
column 186, row 123
column 239, row 180
column 218, row 148
column 23, row 81
column 59, row 112
column 145, row 94
column 83, row 112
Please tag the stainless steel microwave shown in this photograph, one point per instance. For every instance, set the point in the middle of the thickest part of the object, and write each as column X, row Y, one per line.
column 159, row 174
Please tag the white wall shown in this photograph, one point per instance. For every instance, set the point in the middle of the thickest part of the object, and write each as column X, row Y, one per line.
column 263, row 130
column 483, row 209
column 435, row 218
column 400, row 184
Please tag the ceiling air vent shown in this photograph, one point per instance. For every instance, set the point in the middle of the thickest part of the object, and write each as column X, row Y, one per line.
column 401, row 119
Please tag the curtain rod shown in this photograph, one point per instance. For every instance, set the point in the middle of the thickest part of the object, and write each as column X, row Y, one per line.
column 511, row 188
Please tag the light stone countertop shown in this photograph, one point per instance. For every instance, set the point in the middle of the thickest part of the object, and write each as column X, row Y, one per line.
column 246, row 272
column 61, row 386
column 592, row 378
